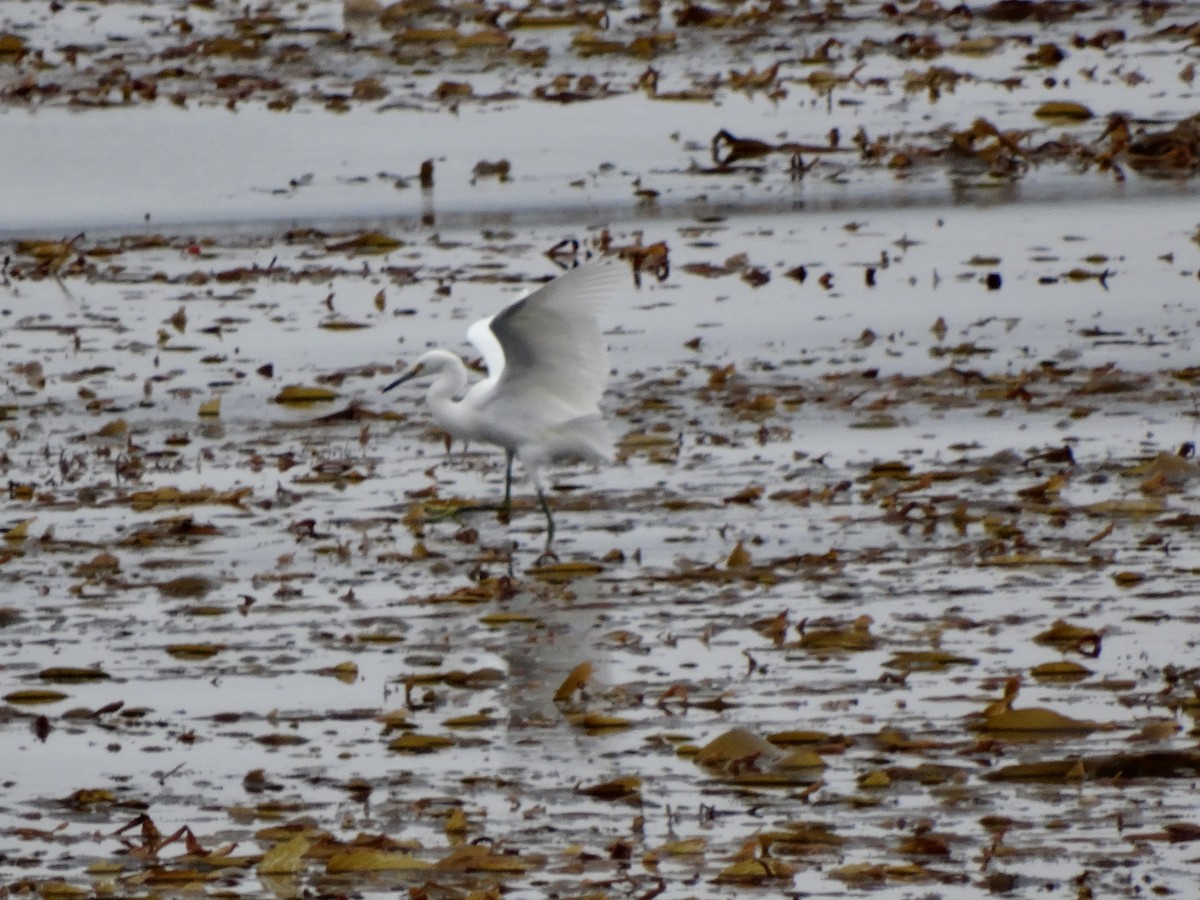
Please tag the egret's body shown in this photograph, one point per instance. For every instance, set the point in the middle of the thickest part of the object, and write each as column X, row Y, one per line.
column 547, row 369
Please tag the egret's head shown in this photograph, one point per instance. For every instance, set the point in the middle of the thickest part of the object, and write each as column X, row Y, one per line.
column 427, row 364
column 407, row 376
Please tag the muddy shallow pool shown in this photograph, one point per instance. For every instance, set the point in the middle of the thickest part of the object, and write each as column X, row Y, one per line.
column 890, row 590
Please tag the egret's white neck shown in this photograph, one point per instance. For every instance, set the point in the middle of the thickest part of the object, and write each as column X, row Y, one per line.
column 449, row 383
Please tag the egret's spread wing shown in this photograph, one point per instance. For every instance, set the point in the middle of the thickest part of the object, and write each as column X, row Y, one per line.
column 481, row 335
column 553, row 348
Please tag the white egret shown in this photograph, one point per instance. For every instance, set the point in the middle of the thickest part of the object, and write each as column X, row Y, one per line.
column 547, row 369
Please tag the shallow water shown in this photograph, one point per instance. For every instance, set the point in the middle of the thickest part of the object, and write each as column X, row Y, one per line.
column 887, row 435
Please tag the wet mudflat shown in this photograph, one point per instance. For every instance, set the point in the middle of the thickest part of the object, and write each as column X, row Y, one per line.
column 891, row 589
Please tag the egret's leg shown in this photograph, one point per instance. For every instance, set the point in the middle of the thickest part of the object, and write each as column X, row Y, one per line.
column 549, row 518
column 508, row 477
column 502, row 513
column 541, row 495
column 547, row 555
column 508, row 461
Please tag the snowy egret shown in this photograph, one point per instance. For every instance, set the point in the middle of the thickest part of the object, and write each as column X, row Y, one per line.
column 547, row 369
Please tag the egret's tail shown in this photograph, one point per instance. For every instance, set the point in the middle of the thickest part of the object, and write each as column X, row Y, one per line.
column 584, row 438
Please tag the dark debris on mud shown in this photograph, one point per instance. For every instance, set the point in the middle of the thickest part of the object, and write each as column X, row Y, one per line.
column 248, row 609
column 891, row 587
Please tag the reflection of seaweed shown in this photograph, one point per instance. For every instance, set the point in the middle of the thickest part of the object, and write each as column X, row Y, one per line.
column 1156, row 764
column 728, row 149
column 654, row 258
column 1163, row 154
column 984, row 149
column 1027, row 10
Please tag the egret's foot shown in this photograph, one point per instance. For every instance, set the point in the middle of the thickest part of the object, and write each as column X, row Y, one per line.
column 503, row 513
column 548, row 556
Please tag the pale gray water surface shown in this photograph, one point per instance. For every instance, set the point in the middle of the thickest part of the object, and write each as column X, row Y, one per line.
column 953, row 401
